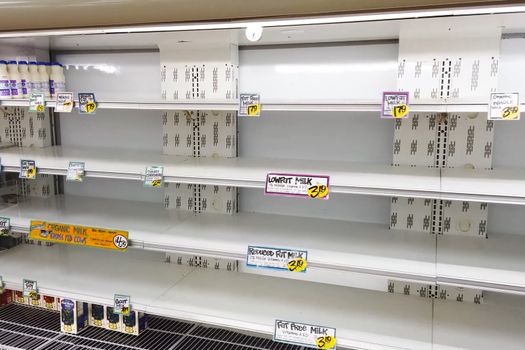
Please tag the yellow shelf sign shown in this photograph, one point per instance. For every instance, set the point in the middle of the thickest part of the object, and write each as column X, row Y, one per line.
column 79, row 235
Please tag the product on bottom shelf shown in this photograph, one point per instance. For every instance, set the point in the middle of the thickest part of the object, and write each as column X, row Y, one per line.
column 18, row 297
column 97, row 316
column 134, row 323
column 50, row 303
column 114, row 320
column 73, row 316
column 6, row 297
column 42, row 301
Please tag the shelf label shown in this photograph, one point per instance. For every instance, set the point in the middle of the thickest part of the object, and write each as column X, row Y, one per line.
column 394, row 105
column 30, row 289
column 5, row 226
column 311, row 336
column 64, row 102
column 250, row 105
column 75, row 171
column 37, row 103
column 87, row 103
column 27, row 169
column 153, row 176
column 504, row 106
column 79, row 235
column 298, row 185
column 122, row 305
column 277, row 258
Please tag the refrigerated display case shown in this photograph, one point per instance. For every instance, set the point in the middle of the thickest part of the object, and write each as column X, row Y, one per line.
column 416, row 243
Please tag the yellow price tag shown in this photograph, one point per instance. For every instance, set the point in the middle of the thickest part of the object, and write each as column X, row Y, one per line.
column 318, row 191
column 90, row 107
column 510, row 113
column 325, row 342
column 31, row 173
column 254, row 110
column 400, row 111
column 156, row 183
column 40, row 108
column 297, row 265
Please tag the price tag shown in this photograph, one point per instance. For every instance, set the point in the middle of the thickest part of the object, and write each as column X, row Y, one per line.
column 298, row 185
column 250, row 105
column 27, row 169
column 30, row 289
column 277, row 258
column 394, row 105
column 5, row 226
column 303, row 334
column 2, row 285
column 75, row 171
column 64, row 102
column 122, row 304
column 87, row 103
column 79, row 235
column 504, row 106
column 153, row 177
column 37, row 103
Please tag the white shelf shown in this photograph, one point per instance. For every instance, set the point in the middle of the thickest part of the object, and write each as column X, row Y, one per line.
column 494, row 264
column 273, row 106
column 142, row 105
column 358, row 178
column 495, row 186
column 364, row 319
column 356, row 247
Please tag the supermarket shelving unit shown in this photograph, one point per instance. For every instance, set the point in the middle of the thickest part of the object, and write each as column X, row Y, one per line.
column 357, row 258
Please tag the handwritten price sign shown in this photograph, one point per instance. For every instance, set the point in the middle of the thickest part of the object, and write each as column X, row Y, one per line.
column 395, row 105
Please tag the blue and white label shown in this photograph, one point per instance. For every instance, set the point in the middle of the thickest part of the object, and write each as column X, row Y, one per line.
column 277, row 258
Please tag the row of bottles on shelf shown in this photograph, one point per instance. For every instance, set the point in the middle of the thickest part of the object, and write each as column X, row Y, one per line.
column 22, row 78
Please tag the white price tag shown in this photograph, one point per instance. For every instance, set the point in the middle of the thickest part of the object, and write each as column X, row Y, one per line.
column 75, row 171
column 122, row 304
column 504, row 106
column 27, row 169
column 87, row 103
column 249, row 105
column 5, row 226
column 30, row 289
column 298, row 185
column 394, row 105
column 37, row 103
column 277, row 258
column 64, row 102
column 153, row 176
column 311, row 336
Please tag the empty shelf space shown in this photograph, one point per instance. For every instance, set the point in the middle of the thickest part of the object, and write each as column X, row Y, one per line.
column 500, row 185
column 496, row 263
column 331, row 244
column 345, row 177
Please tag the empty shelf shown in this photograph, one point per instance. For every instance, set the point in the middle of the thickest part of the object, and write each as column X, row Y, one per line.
column 496, row 263
column 331, row 244
column 504, row 185
column 345, row 177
